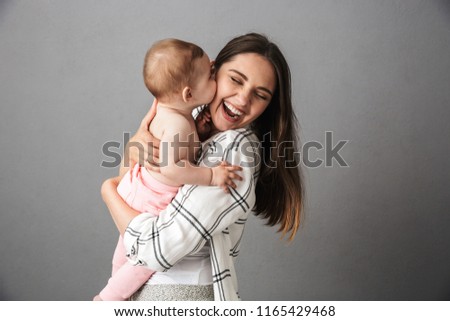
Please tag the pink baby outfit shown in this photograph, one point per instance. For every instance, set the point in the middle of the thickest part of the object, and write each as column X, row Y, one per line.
column 143, row 193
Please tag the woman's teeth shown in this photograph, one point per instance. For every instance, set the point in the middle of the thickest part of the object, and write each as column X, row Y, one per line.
column 231, row 111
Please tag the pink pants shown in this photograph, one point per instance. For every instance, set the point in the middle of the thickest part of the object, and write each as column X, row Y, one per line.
column 143, row 193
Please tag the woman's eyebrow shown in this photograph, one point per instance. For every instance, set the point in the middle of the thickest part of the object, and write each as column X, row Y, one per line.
column 245, row 78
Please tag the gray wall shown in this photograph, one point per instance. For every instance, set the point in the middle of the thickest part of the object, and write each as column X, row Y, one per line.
column 375, row 73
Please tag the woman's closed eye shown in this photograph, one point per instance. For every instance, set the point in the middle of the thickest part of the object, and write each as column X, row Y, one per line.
column 260, row 96
column 236, row 80
column 239, row 82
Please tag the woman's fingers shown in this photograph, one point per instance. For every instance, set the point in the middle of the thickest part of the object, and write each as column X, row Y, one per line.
column 151, row 161
column 203, row 124
column 207, row 114
column 150, row 115
column 152, row 167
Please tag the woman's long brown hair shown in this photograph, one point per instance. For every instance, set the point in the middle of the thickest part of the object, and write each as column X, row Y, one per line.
column 279, row 189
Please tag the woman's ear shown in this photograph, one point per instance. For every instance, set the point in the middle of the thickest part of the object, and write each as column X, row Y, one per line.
column 187, row 94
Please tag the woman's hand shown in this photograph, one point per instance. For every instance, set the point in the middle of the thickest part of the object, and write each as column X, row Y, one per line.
column 203, row 124
column 143, row 147
column 121, row 213
column 109, row 188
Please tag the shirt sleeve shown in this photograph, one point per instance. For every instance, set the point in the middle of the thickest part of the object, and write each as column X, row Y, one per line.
column 197, row 212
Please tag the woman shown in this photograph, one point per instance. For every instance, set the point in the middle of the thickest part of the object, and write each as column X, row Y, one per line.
column 252, row 124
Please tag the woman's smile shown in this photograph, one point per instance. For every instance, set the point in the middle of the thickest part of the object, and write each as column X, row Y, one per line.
column 231, row 112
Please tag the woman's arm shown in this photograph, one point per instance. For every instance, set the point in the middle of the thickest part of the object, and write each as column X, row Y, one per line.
column 121, row 213
column 143, row 147
column 142, row 143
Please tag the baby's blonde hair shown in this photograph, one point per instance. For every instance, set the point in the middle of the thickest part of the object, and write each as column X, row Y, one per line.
column 169, row 67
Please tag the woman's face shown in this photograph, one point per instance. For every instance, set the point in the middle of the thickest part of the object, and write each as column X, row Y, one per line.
column 245, row 86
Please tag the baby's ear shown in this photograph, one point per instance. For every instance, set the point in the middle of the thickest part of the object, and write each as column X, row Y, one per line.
column 187, row 94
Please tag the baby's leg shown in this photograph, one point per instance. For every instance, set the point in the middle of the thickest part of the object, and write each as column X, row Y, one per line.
column 119, row 257
column 127, row 190
column 128, row 279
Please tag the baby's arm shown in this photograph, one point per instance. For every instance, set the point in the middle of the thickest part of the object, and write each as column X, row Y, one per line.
column 176, row 145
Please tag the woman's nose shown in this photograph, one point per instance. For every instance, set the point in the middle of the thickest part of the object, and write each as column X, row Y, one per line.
column 243, row 98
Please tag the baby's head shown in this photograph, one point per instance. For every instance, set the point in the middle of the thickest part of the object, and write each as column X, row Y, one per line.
column 175, row 69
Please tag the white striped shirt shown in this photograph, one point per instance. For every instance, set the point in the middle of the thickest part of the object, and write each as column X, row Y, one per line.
column 199, row 214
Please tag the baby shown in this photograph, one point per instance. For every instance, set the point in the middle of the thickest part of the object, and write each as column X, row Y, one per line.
column 179, row 75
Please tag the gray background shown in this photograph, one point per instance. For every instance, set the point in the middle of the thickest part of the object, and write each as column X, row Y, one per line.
column 375, row 73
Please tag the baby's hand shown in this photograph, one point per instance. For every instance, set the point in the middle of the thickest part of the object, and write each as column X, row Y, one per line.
column 224, row 174
column 203, row 124
column 97, row 298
